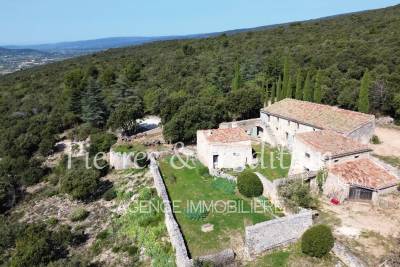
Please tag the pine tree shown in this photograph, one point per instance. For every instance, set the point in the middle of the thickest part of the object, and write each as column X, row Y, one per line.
column 273, row 93
column 318, row 88
column 93, row 108
column 299, row 91
column 289, row 92
column 237, row 79
column 307, row 90
column 286, row 76
column 363, row 98
column 279, row 94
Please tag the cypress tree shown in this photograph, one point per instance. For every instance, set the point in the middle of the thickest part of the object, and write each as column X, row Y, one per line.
column 237, row 79
column 289, row 92
column 363, row 98
column 266, row 98
column 307, row 90
column 279, row 93
column 318, row 88
column 273, row 93
column 299, row 91
column 286, row 74
column 93, row 108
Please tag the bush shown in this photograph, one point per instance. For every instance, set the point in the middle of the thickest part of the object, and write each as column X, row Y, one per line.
column 37, row 246
column 80, row 183
column 375, row 140
column 196, row 215
column 295, row 194
column 7, row 194
column 79, row 214
column 101, row 142
column 249, row 184
column 110, row 194
column 317, row 241
column 203, row 171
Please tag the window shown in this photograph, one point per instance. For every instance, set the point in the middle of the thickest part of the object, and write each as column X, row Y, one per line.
column 298, row 125
column 277, row 128
column 236, row 154
column 268, row 118
column 356, row 157
column 306, row 169
column 307, row 155
column 287, row 135
column 336, row 160
column 313, row 129
column 277, row 119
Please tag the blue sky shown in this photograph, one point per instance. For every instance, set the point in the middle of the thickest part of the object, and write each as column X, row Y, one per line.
column 42, row 21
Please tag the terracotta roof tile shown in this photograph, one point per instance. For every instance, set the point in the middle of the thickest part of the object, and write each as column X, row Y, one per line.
column 318, row 115
column 364, row 173
column 332, row 143
column 228, row 135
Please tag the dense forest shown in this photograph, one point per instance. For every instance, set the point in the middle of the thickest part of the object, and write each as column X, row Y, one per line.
column 193, row 84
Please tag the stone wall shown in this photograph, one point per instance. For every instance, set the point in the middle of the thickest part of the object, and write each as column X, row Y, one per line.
column 346, row 256
column 275, row 233
column 178, row 243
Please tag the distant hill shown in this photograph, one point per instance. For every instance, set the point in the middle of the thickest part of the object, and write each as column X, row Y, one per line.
column 88, row 46
column 21, row 51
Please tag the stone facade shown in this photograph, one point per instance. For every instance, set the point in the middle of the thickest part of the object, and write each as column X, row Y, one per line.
column 306, row 158
column 275, row 233
column 220, row 155
column 281, row 131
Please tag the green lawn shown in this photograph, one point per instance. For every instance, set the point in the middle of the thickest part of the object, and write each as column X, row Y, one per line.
column 271, row 159
column 128, row 148
column 187, row 185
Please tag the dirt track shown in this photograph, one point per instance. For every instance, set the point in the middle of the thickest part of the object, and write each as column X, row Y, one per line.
column 390, row 138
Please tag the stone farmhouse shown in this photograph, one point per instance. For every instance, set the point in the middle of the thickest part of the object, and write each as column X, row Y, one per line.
column 318, row 137
column 224, row 148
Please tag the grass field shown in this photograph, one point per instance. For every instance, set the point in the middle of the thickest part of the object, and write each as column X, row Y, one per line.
column 273, row 163
column 188, row 185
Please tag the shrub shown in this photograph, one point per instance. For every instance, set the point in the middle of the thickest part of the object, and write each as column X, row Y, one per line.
column 37, row 246
column 79, row 214
column 249, row 184
column 203, row 171
column 196, row 215
column 80, row 183
column 7, row 194
column 110, row 194
column 101, row 142
column 295, row 194
column 317, row 241
column 102, row 235
column 375, row 140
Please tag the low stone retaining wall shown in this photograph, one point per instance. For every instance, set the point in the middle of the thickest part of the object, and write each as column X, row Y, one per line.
column 275, row 233
column 223, row 258
column 178, row 243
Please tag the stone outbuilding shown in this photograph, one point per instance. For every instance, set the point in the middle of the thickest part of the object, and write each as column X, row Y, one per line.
column 361, row 179
column 228, row 148
column 284, row 119
column 313, row 151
